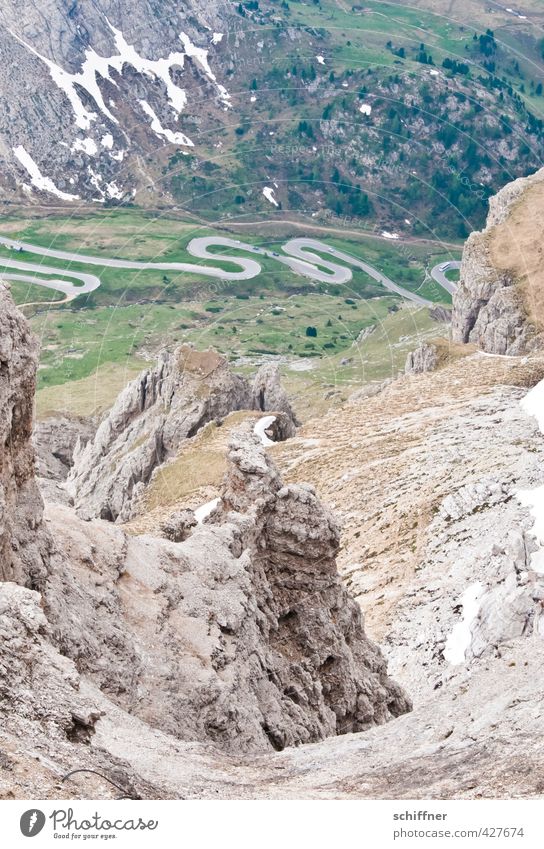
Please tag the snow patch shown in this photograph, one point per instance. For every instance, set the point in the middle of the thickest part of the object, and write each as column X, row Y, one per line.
column 87, row 146
column 268, row 192
column 320, row 59
column 261, row 426
column 217, row 37
column 36, row 177
column 204, row 510
column 159, row 130
column 459, row 639
column 100, row 66
column 200, row 55
column 533, row 404
column 365, row 108
column 107, row 141
column 113, row 191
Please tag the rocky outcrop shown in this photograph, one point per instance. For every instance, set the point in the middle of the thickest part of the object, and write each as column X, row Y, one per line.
column 488, row 308
column 55, row 439
column 178, row 526
column 23, row 541
column 423, row 358
column 242, row 634
column 151, row 418
column 269, row 394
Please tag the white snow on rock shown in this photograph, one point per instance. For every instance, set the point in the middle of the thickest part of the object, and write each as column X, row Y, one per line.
column 533, row 405
column 260, row 429
column 87, row 146
column 268, row 192
column 365, row 108
column 204, row 510
column 107, row 141
column 460, row 637
column 100, row 66
column 159, row 130
column 217, row 37
column 200, row 55
column 36, row 177
column 113, row 191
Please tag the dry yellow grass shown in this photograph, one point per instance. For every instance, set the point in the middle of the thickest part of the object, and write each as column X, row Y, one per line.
column 89, row 396
column 516, row 247
column 191, row 478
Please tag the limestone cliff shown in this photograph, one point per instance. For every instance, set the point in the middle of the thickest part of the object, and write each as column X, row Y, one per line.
column 152, row 417
column 498, row 305
column 23, row 541
column 241, row 635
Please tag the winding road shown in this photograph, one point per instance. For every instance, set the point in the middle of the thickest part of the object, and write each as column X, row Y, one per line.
column 438, row 273
column 306, row 256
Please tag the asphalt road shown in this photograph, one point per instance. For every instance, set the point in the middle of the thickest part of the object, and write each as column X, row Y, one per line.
column 439, row 274
column 309, row 257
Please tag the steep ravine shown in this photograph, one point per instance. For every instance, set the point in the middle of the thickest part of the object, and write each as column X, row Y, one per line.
column 242, row 636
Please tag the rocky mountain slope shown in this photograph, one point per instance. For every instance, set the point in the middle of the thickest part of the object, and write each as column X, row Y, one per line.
column 23, row 543
column 234, row 661
column 242, row 635
column 118, row 112
column 498, row 305
column 424, row 477
column 153, row 416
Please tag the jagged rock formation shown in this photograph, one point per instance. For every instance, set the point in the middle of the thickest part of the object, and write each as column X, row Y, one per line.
column 23, row 542
column 178, row 526
column 496, row 305
column 268, row 394
column 55, row 440
column 423, row 358
column 151, row 418
column 241, row 636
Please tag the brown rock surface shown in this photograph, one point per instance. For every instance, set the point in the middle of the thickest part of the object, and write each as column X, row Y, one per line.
column 150, row 421
column 498, row 305
column 23, row 542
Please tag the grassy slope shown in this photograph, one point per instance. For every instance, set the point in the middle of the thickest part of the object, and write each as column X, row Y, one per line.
column 135, row 313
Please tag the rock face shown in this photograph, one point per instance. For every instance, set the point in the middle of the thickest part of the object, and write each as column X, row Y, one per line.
column 23, row 541
column 55, row 440
column 488, row 308
column 103, row 70
column 146, row 426
column 268, row 394
column 423, row 358
column 241, row 635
